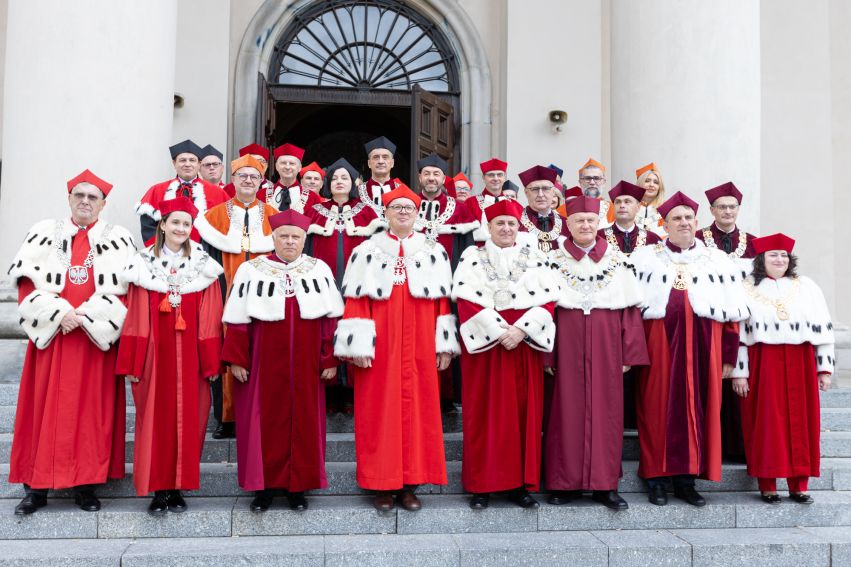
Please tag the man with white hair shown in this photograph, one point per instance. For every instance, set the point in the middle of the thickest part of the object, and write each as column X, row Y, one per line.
column 69, row 424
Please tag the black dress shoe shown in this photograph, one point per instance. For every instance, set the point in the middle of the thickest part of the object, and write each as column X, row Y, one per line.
column 480, row 501
column 522, row 498
column 30, row 504
column 610, row 499
column 770, row 498
column 176, row 503
column 297, row 501
column 559, row 497
column 87, row 501
column 801, row 498
column 225, row 431
column 262, row 501
column 690, row 495
column 159, row 504
column 657, row 495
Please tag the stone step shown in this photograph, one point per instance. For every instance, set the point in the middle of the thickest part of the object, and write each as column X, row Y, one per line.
column 836, row 444
column 836, row 397
column 836, row 419
column 441, row 514
column 779, row 547
column 220, row 479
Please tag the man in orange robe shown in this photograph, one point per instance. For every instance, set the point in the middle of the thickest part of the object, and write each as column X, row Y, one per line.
column 398, row 332
column 69, row 424
column 693, row 300
column 239, row 230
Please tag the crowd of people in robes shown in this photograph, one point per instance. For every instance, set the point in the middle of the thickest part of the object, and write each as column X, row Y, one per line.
column 551, row 326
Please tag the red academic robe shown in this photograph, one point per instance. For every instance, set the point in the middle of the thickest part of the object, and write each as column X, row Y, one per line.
column 172, row 396
column 583, row 435
column 204, row 195
column 69, row 422
column 732, row 441
column 503, row 393
column 780, row 415
column 636, row 238
column 679, row 394
column 551, row 227
column 280, row 409
column 398, row 429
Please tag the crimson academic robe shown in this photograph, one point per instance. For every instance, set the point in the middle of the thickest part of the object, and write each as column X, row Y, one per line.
column 401, row 324
column 738, row 245
column 204, row 195
column 334, row 232
column 555, row 225
column 690, row 333
column 69, row 422
column 503, row 390
column 598, row 332
column 449, row 221
column 173, row 350
column 284, row 339
column 782, row 359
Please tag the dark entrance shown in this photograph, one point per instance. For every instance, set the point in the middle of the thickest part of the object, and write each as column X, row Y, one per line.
column 348, row 71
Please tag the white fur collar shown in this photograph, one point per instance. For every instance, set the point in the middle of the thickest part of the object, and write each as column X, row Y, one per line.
column 38, row 258
column 195, row 273
column 371, row 266
column 534, row 287
column 261, row 287
column 199, row 199
column 714, row 283
column 807, row 318
column 259, row 242
column 585, row 284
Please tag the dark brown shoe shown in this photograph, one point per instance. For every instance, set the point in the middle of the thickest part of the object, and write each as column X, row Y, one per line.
column 383, row 501
column 408, row 500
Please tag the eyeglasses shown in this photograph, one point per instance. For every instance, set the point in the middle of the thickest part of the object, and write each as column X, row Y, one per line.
column 545, row 189
column 247, row 176
column 725, row 207
column 212, row 164
column 592, row 178
column 84, row 197
column 402, row 208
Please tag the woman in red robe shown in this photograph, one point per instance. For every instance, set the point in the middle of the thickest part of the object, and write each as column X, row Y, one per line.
column 336, row 226
column 785, row 358
column 170, row 345
column 506, row 293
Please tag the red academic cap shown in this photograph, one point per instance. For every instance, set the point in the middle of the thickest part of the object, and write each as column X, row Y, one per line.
column 592, row 163
column 626, row 188
column 313, row 166
column 676, row 200
column 401, row 191
column 537, row 173
column 724, row 190
column 255, row 150
column 573, row 192
column 777, row 241
column 183, row 204
column 649, row 167
column 290, row 217
column 289, row 150
column 462, row 177
column 88, row 177
column 506, row 207
column 493, row 164
column 582, row 205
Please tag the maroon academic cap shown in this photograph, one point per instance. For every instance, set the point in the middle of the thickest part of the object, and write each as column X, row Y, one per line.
column 724, row 190
column 676, row 200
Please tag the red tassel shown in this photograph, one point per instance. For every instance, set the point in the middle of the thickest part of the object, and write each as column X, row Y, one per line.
column 165, row 306
column 180, row 323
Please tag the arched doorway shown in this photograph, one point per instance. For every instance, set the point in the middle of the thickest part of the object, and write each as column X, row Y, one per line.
column 347, row 71
column 313, row 100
